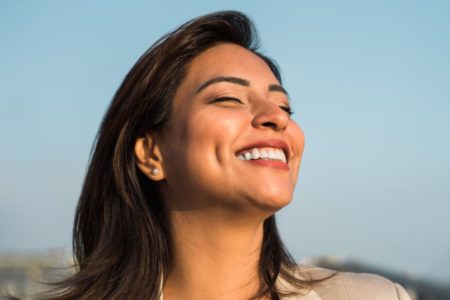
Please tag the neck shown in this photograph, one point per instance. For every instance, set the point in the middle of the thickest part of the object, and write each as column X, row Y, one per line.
column 214, row 257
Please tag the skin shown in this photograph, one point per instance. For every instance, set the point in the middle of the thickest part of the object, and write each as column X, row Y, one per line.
column 216, row 202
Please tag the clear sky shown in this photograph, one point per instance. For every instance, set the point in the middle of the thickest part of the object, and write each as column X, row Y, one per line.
column 370, row 85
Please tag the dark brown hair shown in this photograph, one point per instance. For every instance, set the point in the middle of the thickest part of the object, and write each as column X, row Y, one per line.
column 120, row 237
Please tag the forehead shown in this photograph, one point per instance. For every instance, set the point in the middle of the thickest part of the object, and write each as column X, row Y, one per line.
column 228, row 60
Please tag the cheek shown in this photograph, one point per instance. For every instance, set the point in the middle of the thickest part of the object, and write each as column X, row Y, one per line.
column 212, row 135
column 300, row 138
column 297, row 137
column 200, row 145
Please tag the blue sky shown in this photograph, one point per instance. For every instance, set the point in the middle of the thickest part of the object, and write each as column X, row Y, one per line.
column 370, row 85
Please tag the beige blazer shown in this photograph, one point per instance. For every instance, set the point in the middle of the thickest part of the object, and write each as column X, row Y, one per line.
column 345, row 286
column 350, row 286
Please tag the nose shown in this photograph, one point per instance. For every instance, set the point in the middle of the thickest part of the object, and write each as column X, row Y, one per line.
column 270, row 115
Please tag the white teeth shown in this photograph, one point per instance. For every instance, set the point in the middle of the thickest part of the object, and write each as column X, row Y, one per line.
column 263, row 153
column 277, row 154
column 255, row 153
column 280, row 155
column 247, row 155
column 272, row 154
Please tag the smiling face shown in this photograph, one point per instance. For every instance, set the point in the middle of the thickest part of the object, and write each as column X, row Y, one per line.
column 230, row 142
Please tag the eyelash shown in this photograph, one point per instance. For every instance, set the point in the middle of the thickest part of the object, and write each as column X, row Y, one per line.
column 222, row 99
column 285, row 108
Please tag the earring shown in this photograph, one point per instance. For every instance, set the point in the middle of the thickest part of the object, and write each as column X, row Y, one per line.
column 155, row 171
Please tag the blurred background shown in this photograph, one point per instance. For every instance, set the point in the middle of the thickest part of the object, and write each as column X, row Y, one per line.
column 369, row 83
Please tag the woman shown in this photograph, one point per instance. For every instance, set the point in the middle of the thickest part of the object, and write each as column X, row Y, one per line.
column 194, row 156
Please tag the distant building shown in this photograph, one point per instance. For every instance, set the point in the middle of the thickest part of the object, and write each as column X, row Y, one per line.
column 21, row 274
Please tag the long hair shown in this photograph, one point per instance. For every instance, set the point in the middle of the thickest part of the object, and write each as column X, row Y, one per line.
column 120, row 237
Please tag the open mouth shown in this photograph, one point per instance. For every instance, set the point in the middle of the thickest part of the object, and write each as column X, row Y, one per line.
column 266, row 153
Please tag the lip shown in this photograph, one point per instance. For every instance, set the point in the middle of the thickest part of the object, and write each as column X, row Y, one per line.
column 269, row 143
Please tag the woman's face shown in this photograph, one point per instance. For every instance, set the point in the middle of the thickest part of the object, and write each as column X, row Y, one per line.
column 230, row 142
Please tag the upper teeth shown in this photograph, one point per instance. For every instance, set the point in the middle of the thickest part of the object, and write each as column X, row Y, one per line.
column 263, row 153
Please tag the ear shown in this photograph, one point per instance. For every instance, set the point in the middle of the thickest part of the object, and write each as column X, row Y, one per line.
column 148, row 157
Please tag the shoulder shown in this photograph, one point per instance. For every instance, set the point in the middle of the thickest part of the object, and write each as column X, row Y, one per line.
column 351, row 286
column 360, row 286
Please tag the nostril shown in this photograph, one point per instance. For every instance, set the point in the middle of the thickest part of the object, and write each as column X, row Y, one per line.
column 270, row 125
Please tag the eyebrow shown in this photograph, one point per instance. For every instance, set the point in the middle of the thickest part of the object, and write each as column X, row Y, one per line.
column 235, row 80
column 277, row 88
column 239, row 81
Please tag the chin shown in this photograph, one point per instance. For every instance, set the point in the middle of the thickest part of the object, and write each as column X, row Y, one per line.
column 272, row 205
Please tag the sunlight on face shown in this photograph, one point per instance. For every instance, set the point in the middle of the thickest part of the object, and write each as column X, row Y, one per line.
column 230, row 142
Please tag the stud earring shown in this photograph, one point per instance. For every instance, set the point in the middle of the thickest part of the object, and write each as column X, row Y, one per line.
column 155, row 171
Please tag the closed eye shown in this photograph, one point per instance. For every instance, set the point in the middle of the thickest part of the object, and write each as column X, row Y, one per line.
column 225, row 99
column 287, row 109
